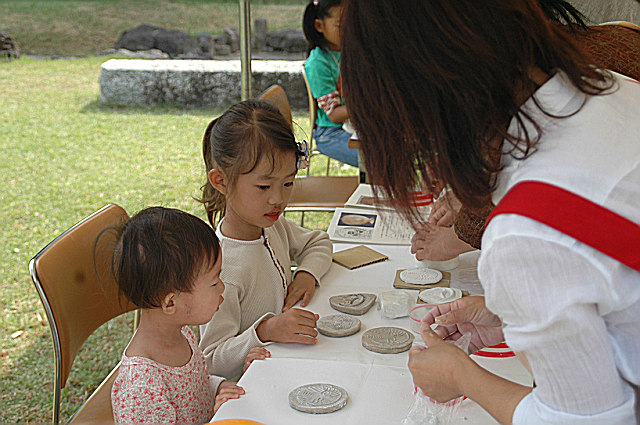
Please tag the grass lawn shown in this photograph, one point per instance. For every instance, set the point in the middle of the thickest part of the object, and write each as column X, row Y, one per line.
column 87, row 27
column 66, row 156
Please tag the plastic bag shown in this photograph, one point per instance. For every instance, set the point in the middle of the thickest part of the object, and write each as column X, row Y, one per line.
column 394, row 304
column 426, row 411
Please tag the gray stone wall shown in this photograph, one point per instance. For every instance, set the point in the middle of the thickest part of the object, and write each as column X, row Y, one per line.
column 202, row 83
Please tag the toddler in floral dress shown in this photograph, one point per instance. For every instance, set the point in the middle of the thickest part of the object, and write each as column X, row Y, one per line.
column 168, row 262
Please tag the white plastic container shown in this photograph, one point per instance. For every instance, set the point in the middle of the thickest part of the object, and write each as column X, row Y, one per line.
column 443, row 266
column 393, row 304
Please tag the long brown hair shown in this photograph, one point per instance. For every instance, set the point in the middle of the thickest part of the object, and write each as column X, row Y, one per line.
column 236, row 141
column 430, row 83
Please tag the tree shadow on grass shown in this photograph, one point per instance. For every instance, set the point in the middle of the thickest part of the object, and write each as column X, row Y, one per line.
column 27, row 386
column 96, row 107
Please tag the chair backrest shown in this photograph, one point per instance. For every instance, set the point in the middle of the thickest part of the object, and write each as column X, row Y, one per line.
column 276, row 96
column 78, row 293
column 321, row 193
column 313, row 114
column 313, row 103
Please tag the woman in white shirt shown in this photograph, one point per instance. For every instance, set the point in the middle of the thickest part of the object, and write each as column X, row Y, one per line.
column 487, row 95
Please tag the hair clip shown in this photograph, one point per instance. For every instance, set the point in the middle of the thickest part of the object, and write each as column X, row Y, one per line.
column 303, row 155
column 315, row 2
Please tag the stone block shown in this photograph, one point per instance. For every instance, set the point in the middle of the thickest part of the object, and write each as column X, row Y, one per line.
column 232, row 38
column 260, row 33
column 200, row 83
column 223, row 50
column 291, row 40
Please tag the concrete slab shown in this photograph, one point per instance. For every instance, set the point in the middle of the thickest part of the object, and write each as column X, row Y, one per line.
column 201, row 83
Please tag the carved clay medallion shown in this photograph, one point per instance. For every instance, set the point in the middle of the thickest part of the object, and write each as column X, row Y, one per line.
column 357, row 304
column 387, row 340
column 338, row 325
column 318, row 398
column 421, row 276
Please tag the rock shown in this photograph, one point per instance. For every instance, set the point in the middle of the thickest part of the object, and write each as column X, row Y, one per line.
column 291, row 40
column 8, row 47
column 223, row 50
column 199, row 83
column 232, row 38
column 206, row 43
column 260, row 33
column 139, row 54
column 173, row 42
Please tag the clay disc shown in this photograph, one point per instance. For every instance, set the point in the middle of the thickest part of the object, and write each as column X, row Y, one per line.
column 421, row 276
column 440, row 295
column 387, row 340
column 357, row 304
column 318, row 398
column 338, row 325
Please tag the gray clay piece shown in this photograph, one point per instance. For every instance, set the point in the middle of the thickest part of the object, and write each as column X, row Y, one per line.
column 357, row 304
column 338, row 325
column 318, row 398
column 387, row 340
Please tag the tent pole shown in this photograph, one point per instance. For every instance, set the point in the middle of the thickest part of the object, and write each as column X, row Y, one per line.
column 245, row 49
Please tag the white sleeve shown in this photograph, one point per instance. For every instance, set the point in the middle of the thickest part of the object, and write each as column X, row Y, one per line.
column 312, row 250
column 214, row 382
column 550, row 298
column 224, row 348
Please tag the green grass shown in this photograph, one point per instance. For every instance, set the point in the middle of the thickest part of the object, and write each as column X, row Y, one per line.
column 65, row 156
column 87, row 27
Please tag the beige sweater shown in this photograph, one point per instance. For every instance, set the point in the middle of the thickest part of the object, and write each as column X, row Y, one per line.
column 255, row 289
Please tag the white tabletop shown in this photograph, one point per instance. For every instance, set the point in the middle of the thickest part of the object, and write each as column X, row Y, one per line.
column 380, row 387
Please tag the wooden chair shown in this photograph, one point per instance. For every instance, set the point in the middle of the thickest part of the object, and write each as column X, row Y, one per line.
column 79, row 295
column 321, row 193
column 312, row 193
column 276, row 96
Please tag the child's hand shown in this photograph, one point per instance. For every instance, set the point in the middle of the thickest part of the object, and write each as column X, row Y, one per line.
column 294, row 325
column 256, row 353
column 303, row 286
column 226, row 390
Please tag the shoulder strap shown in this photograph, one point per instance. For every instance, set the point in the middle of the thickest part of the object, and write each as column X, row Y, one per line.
column 575, row 216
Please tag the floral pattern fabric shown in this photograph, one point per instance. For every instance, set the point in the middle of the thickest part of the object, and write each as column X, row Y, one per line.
column 149, row 392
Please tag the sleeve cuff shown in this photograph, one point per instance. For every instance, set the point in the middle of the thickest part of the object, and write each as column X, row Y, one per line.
column 255, row 326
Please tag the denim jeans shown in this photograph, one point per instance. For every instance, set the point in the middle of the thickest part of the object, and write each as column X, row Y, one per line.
column 334, row 143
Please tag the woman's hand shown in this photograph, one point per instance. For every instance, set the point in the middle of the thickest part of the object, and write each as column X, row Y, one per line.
column 438, row 369
column 466, row 315
column 303, row 287
column 226, row 391
column 256, row 353
column 445, row 209
column 294, row 325
column 437, row 243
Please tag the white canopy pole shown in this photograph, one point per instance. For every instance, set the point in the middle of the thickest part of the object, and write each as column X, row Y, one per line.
column 245, row 49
